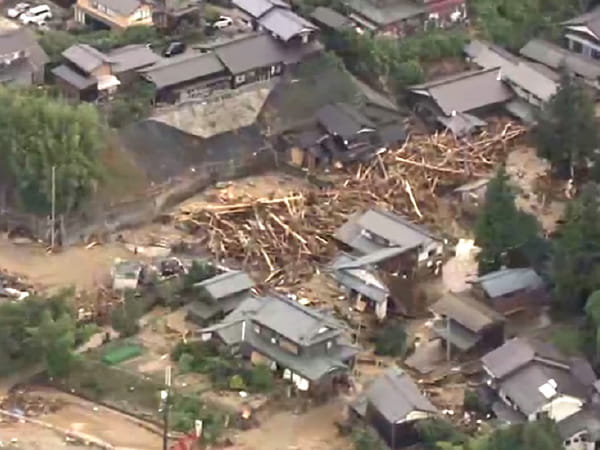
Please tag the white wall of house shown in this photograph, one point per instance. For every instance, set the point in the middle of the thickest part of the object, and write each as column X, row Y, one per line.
column 560, row 408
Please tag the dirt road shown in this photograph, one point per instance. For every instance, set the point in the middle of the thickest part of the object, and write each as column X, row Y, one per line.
column 119, row 430
column 74, row 266
column 313, row 430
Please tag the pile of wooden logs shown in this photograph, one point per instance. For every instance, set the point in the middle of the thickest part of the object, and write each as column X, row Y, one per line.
column 286, row 239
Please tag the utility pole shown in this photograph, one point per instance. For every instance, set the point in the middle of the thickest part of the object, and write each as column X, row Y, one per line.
column 53, row 218
column 165, row 396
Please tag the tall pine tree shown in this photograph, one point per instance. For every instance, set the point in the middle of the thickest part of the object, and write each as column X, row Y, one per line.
column 576, row 251
column 567, row 134
column 506, row 235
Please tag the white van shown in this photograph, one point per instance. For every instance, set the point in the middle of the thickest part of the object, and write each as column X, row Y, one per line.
column 37, row 15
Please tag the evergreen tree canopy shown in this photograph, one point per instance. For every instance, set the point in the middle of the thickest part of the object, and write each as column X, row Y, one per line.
column 503, row 231
column 38, row 132
column 567, row 133
column 576, row 251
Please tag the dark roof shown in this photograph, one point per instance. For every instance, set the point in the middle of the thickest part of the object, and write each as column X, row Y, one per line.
column 257, row 8
column 508, row 281
column 386, row 14
column 122, row 7
column 470, row 313
column 182, row 68
column 375, row 98
column 392, row 134
column 132, row 57
column 590, row 19
column 395, row 395
column 466, row 91
column 86, row 57
column 588, row 420
column 256, row 51
column 343, row 120
column 74, row 78
column 518, row 352
column 553, row 56
column 226, row 284
column 330, row 18
column 285, row 24
column 22, row 39
column 360, row 278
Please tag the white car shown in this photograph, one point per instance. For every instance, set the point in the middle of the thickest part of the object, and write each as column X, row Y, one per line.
column 37, row 15
column 19, row 9
column 223, row 22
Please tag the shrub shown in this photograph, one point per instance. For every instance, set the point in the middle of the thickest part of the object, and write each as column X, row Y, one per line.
column 260, row 378
column 391, row 340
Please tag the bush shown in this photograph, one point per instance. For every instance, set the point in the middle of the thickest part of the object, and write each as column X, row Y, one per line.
column 473, row 403
column 199, row 271
column 185, row 362
column 391, row 340
column 366, row 439
column 237, row 383
column 260, row 379
column 125, row 317
column 437, row 430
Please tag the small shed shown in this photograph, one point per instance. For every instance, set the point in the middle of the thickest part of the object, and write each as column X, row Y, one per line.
column 467, row 323
column 220, row 295
column 126, row 275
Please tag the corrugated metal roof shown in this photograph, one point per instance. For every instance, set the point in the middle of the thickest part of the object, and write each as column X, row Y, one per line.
column 468, row 312
column 395, row 395
column 182, row 68
column 285, row 24
column 508, row 281
column 226, row 284
column 386, row 14
column 466, row 91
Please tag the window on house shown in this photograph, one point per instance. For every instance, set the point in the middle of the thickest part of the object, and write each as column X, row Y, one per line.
column 240, row 78
column 273, row 340
column 329, row 345
column 595, row 53
column 568, row 442
column 257, row 329
column 431, row 253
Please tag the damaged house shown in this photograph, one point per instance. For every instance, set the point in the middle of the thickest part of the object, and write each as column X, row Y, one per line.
column 393, row 405
column 23, row 60
column 466, row 324
column 220, row 295
column 532, row 379
column 303, row 345
column 449, row 103
column 582, row 34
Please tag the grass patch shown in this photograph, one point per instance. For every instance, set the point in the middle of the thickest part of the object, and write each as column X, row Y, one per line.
column 120, row 354
column 570, row 340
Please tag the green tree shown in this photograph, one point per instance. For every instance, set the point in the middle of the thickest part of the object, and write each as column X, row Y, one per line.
column 576, row 251
column 366, row 439
column 567, row 134
column 502, row 230
column 125, row 317
column 54, row 340
column 391, row 340
column 592, row 310
column 38, row 132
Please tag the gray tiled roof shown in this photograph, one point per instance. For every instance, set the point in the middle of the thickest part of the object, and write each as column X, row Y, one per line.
column 518, row 352
column 588, row 420
column 254, row 52
column 182, row 68
column 590, row 19
column 122, row 7
column 555, row 57
column 466, row 91
column 285, row 24
column 132, row 57
column 226, row 284
column 395, row 395
column 74, row 78
column 330, row 18
column 86, row 57
column 470, row 313
column 507, row 281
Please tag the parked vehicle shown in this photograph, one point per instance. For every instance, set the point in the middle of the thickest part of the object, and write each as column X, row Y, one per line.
column 37, row 15
column 223, row 22
column 174, row 48
column 18, row 9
